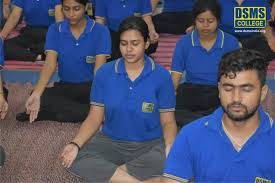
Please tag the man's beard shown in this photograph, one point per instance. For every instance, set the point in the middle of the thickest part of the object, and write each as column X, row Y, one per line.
column 239, row 118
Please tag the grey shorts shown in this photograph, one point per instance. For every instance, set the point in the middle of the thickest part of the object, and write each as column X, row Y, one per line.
column 98, row 160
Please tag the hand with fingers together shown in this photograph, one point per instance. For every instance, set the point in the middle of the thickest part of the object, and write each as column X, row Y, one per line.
column 33, row 106
column 68, row 155
column 3, row 107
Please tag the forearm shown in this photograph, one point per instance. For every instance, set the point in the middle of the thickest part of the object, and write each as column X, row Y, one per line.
column 90, row 126
column 154, row 4
column 176, row 77
column 149, row 22
column 11, row 22
column 100, row 60
column 169, row 133
column 58, row 13
column 48, row 69
column 100, row 20
column 1, row 86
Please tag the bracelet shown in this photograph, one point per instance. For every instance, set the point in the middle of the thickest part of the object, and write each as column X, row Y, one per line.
column 78, row 147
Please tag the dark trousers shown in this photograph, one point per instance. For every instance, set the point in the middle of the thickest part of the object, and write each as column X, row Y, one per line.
column 173, row 22
column 115, row 46
column 27, row 46
column 195, row 101
column 65, row 102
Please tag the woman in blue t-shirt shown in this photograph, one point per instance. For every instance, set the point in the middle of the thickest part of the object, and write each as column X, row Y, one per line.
column 139, row 125
column 79, row 46
column 198, row 55
column 38, row 15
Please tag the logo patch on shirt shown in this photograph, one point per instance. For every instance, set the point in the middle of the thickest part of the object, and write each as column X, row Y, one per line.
column 51, row 12
column 262, row 180
column 147, row 107
column 90, row 59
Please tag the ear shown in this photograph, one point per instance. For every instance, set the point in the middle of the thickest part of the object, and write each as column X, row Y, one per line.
column 87, row 7
column 219, row 88
column 264, row 92
column 147, row 44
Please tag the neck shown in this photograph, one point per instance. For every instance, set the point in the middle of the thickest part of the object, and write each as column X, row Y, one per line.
column 241, row 129
column 210, row 37
column 79, row 26
column 134, row 69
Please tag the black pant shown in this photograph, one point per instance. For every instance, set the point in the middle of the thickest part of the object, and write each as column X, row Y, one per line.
column 65, row 102
column 173, row 22
column 195, row 101
column 115, row 46
column 27, row 46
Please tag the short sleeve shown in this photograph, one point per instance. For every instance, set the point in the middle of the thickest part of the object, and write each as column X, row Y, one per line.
column 1, row 54
column 104, row 42
column 97, row 91
column 146, row 7
column 179, row 163
column 51, row 38
column 57, row 2
column 19, row 3
column 100, row 10
column 178, row 60
column 231, row 42
column 166, row 95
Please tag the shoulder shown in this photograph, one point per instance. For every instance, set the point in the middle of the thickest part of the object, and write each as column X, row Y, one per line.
column 106, row 69
column 56, row 27
column 185, row 40
column 195, row 129
column 230, row 38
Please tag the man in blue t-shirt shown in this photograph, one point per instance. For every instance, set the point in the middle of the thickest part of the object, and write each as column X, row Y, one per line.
column 236, row 142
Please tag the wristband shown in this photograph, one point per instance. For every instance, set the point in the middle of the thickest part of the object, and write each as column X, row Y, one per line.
column 78, row 147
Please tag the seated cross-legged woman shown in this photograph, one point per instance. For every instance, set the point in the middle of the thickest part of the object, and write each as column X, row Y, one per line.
column 79, row 46
column 198, row 55
column 139, row 125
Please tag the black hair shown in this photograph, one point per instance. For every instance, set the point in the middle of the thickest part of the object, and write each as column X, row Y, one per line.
column 202, row 6
column 271, row 2
column 134, row 23
column 243, row 59
column 84, row 2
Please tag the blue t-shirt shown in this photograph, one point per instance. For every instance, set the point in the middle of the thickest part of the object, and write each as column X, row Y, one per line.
column 203, row 151
column 177, row 5
column 115, row 11
column 227, row 17
column 37, row 12
column 76, row 58
column 132, row 110
column 201, row 65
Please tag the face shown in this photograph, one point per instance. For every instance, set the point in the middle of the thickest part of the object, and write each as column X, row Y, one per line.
column 73, row 11
column 241, row 96
column 206, row 23
column 132, row 46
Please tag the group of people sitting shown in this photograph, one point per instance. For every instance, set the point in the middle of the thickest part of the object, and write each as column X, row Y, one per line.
column 130, row 107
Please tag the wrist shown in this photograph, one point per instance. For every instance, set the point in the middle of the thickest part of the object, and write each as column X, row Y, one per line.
column 75, row 144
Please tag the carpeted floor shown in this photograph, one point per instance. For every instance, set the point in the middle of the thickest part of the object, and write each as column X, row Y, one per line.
column 32, row 149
